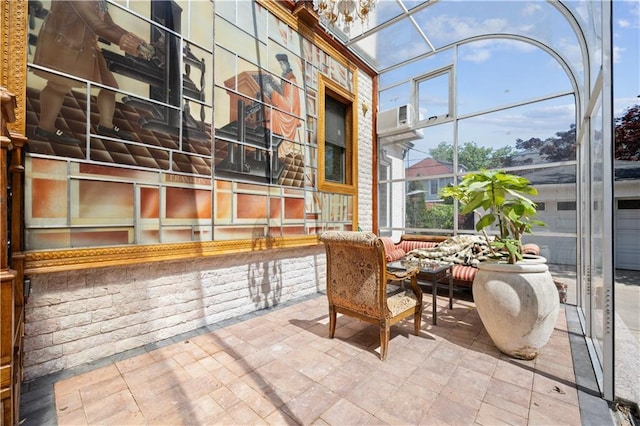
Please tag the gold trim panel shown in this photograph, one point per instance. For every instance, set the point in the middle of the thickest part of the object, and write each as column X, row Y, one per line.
column 38, row 262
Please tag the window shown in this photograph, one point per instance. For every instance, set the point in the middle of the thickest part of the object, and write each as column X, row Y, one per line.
column 435, row 95
column 336, row 143
column 335, row 140
column 566, row 206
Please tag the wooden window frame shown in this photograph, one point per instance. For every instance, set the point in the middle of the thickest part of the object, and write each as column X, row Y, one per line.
column 327, row 87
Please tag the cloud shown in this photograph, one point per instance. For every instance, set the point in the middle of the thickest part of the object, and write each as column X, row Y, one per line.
column 477, row 55
column 530, row 9
column 617, row 54
column 624, row 23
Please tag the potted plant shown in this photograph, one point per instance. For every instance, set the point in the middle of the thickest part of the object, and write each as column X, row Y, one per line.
column 517, row 300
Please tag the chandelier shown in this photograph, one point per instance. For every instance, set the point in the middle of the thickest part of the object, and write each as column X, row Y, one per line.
column 341, row 13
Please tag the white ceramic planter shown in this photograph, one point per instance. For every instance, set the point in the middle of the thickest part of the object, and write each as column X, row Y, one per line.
column 518, row 305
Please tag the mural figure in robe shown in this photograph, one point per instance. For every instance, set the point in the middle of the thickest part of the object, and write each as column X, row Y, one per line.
column 284, row 119
column 68, row 42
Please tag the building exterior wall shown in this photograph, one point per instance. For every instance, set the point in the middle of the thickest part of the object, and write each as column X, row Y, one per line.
column 76, row 317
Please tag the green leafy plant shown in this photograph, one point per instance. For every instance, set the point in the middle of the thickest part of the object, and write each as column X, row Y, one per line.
column 502, row 199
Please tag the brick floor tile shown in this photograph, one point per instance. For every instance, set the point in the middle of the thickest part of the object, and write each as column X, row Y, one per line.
column 450, row 412
column 72, row 418
column 547, row 409
column 224, row 397
column 96, row 376
column 100, row 390
column 284, row 377
column 280, row 418
column 509, row 392
column 208, row 342
column 243, row 414
column 151, row 371
column 133, row 363
column 515, row 374
column 491, row 415
column 371, row 393
column 120, row 403
column 343, row 412
column 310, row 404
column 504, row 404
column 67, row 402
column 407, row 405
column 558, row 389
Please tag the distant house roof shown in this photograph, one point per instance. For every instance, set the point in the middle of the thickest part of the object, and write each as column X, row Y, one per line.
column 429, row 167
column 627, row 170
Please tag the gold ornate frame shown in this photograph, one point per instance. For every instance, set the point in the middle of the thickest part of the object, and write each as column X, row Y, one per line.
column 14, row 18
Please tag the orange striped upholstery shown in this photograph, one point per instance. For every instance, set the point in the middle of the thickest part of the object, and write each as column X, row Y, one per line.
column 408, row 245
column 464, row 273
column 392, row 251
column 531, row 249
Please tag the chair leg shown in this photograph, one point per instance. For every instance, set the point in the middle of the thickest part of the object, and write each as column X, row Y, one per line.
column 332, row 321
column 384, row 341
column 417, row 319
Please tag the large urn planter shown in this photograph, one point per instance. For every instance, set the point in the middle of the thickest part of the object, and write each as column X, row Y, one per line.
column 518, row 305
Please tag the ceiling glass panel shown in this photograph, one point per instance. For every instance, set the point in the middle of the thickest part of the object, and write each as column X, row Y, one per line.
column 385, row 11
column 414, row 69
column 394, row 44
column 526, row 72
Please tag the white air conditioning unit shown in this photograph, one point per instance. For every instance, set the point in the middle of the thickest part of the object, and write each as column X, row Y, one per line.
column 396, row 120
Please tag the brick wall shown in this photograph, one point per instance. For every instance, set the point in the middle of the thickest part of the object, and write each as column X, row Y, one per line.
column 365, row 153
column 81, row 316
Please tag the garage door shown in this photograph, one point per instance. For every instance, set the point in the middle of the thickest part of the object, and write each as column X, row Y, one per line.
column 627, row 226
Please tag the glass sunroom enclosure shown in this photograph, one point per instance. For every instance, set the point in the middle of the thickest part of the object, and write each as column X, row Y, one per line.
column 513, row 85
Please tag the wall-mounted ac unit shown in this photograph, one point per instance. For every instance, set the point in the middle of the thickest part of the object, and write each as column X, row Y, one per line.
column 396, row 120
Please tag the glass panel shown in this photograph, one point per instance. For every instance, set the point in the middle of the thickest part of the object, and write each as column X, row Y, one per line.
column 334, row 163
column 536, row 133
column 196, row 22
column 597, row 297
column 433, row 97
column 396, row 43
column 396, row 96
column 482, row 85
column 409, row 71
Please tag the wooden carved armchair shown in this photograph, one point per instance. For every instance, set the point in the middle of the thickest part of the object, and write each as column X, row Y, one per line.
column 357, row 284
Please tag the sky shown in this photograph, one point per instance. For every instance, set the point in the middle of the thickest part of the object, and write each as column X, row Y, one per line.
column 626, row 54
column 504, row 72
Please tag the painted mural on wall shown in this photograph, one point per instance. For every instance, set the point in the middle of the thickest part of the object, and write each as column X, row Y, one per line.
column 138, row 136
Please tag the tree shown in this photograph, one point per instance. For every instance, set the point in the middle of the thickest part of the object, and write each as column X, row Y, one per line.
column 416, row 211
column 562, row 147
column 627, row 135
column 472, row 156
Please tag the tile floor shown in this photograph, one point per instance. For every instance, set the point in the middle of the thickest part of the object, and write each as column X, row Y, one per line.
column 279, row 367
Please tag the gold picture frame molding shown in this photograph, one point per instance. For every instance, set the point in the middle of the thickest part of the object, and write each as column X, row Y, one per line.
column 39, row 262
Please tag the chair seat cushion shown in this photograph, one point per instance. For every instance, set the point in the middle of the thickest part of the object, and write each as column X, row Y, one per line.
column 399, row 299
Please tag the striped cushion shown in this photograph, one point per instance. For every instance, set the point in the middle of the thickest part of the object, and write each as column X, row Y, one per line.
column 531, row 249
column 408, row 245
column 392, row 251
column 395, row 254
column 464, row 273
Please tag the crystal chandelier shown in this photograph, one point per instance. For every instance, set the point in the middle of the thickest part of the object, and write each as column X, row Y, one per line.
column 341, row 13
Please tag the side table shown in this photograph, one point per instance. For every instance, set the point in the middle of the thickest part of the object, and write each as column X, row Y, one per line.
column 430, row 270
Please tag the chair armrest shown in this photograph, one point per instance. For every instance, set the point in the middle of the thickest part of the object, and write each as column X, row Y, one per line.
column 401, row 275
